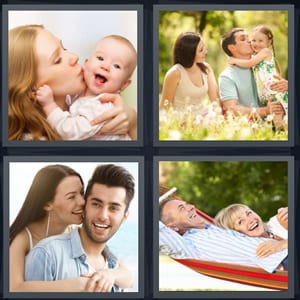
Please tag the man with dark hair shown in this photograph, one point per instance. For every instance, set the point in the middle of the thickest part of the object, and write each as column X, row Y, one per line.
column 112, row 175
column 84, row 251
column 238, row 91
column 185, row 234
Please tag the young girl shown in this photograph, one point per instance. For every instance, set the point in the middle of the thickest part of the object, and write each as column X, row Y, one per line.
column 241, row 218
column 190, row 79
column 265, row 68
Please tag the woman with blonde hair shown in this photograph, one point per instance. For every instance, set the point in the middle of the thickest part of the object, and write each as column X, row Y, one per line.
column 53, row 203
column 241, row 218
column 37, row 57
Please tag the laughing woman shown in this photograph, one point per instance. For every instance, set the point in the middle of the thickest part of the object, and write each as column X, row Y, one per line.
column 241, row 218
column 53, row 203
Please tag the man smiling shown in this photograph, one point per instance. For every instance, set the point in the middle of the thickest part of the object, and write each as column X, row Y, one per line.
column 84, row 251
column 185, row 234
column 237, row 85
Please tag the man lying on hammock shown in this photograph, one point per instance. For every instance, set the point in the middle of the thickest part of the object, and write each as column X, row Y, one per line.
column 185, row 234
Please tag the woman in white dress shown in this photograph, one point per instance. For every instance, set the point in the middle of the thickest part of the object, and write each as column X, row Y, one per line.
column 190, row 80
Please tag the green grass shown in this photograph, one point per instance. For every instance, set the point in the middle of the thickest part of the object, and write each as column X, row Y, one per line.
column 185, row 125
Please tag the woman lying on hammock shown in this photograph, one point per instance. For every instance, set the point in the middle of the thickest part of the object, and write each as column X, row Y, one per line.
column 184, row 231
column 241, row 218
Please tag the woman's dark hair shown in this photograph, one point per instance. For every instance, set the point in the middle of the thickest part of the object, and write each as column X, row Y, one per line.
column 185, row 49
column 41, row 192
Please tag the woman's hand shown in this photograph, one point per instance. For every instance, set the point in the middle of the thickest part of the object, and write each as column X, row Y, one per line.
column 269, row 247
column 100, row 281
column 282, row 217
column 121, row 119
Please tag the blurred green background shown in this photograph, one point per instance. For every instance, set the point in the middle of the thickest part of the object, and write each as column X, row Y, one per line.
column 212, row 185
column 212, row 25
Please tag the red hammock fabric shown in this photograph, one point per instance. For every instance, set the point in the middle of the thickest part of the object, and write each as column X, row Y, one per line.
column 236, row 273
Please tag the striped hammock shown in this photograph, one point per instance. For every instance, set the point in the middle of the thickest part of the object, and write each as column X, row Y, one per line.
column 235, row 273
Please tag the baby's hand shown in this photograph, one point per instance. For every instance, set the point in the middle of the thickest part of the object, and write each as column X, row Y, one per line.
column 44, row 96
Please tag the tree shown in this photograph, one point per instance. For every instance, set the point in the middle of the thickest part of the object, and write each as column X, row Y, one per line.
column 213, row 185
column 212, row 25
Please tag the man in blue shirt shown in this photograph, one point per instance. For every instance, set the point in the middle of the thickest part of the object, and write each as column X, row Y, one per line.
column 238, row 91
column 84, row 251
column 187, row 235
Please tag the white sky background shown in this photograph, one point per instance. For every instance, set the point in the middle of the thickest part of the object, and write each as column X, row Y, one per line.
column 124, row 244
column 21, row 175
column 80, row 31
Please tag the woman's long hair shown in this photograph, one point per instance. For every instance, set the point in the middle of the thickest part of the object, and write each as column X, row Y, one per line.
column 41, row 192
column 185, row 50
column 25, row 115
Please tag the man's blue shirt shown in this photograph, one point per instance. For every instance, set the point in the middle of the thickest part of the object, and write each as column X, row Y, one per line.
column 61, row 257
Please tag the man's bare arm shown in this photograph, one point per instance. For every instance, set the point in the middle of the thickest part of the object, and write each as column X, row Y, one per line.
column 236, row 109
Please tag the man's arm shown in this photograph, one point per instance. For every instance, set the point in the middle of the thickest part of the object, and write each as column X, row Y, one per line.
column 280, row 86
column 171, row 243
column 236, row 109
column 41, row 275
column 38, row 265
column 269, row 247
column 230, row 99
column 228, row 246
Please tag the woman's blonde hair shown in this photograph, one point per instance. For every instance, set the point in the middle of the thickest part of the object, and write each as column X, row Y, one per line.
column 227, row 216
column 25, row 115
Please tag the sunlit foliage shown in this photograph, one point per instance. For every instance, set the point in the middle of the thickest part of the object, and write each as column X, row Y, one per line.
column 212, row 25
column 212, row 185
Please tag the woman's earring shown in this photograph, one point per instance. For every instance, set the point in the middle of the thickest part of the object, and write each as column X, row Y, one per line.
column 68, row 100
column 48, row 224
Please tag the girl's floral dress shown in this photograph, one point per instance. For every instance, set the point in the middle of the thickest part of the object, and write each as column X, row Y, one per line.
column 264, row 76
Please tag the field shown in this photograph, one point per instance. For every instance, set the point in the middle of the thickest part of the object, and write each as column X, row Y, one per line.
column 212, row 125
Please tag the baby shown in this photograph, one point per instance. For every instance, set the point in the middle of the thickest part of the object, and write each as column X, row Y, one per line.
column 107, row 70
